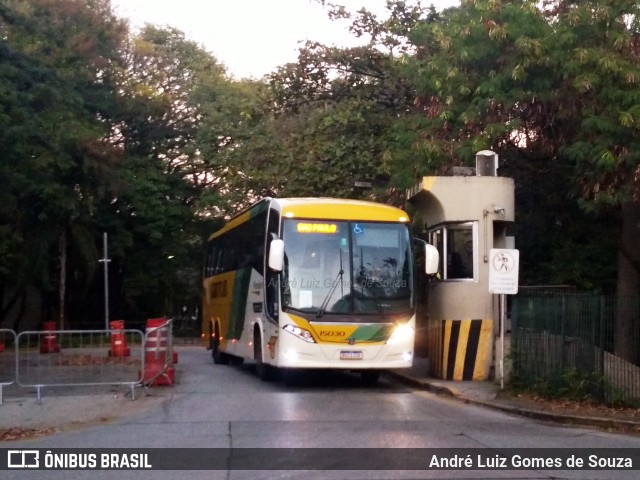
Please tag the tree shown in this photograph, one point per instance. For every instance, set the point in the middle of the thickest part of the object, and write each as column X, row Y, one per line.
column 551, row 86
column 554, row 91
column 236, row 143
column 55, row 72
column 102, row 132
column 337, row 108
column 153, row 213
column 98, row 135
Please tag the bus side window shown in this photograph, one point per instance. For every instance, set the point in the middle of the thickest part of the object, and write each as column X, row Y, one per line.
column 213, row 253
column 257, row 241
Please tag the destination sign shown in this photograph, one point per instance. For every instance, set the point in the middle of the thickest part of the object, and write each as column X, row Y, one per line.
column 330, row 228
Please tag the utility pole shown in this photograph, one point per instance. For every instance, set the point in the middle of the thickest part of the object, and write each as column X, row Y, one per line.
column 106, row 261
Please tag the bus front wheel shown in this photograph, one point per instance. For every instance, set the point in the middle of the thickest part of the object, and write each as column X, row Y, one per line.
column 370, row 377
column 265, row 371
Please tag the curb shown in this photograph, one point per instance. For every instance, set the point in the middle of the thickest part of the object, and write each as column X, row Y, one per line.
column 422, row 385
column 599, row 422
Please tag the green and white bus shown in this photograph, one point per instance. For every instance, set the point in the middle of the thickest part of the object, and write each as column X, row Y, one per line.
column 310, row 283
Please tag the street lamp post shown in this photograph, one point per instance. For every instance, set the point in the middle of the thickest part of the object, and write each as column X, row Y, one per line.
column 106, row 261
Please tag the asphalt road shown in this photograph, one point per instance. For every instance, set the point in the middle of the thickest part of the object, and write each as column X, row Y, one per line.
column 214, row 406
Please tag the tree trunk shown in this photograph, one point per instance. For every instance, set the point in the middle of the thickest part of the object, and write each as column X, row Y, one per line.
column 20, row 312
column 63, row 276
column 9, row 304
column 627, row 331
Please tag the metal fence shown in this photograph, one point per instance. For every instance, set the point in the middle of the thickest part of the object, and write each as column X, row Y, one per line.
column 564, row 345
column 186, row 329
column 77, row 357
column 7, row 360
column 85, row 358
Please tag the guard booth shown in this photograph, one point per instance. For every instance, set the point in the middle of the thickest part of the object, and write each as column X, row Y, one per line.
column 464, row 215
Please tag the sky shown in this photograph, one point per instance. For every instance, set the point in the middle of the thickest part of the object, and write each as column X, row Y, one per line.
column 252, row 37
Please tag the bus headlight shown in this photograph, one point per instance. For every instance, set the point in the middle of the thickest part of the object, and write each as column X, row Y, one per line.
column 299, row 332
column 401, row 333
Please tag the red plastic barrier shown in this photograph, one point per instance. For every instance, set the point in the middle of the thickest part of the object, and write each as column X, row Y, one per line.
column 118, row 340
column 49, row 341
column 155, row 354
column 155, row 347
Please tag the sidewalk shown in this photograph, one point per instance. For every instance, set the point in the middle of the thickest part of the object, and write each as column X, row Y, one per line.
column 489, row 394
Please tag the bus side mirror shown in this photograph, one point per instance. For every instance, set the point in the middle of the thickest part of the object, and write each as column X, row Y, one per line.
column 276, row 255
column 431, row 259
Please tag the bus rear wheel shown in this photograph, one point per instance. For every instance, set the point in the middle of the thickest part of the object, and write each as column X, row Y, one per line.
column 219, row 358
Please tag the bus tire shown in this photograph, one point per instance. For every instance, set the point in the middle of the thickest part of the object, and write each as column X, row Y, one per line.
column 236, row 360
column 219, row 358
column 370, row 377
column 265, row 371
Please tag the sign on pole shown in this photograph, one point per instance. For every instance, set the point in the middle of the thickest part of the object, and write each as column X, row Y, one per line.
column 503, row 280
column 503, row 271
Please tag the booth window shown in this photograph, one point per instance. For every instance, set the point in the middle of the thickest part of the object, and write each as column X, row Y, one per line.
column 457, row 246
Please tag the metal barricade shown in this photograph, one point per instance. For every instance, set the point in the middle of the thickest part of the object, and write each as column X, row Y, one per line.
column 67, row 358
column 7, row 360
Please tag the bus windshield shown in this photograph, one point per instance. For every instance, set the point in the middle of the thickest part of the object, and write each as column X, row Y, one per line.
column 347, row 267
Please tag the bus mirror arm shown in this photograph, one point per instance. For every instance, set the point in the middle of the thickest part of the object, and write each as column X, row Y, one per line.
column 276, row 255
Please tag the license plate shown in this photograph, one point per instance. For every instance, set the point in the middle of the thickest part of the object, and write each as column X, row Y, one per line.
column 350, row 355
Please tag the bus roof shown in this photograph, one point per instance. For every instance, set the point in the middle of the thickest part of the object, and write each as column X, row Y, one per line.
column 339, row 209
column 320, row 208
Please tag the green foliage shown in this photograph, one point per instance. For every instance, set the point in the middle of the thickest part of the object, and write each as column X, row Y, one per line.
column 238, row 149
column 54, row 89
column 98, row 135
column 573, row 385
column 570, row 384
column 144, row 136
column 552, row 90
column 329, row 149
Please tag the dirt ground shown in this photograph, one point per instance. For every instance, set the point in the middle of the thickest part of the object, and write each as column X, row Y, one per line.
column 23, row 418
column 621, row 418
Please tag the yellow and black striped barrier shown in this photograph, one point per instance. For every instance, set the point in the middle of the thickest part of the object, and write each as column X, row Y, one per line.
column 466, row 349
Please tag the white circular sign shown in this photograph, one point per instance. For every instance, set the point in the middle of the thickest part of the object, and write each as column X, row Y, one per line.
column 503, row 271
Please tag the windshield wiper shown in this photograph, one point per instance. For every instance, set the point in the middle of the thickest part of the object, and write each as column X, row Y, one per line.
column 325, row 302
